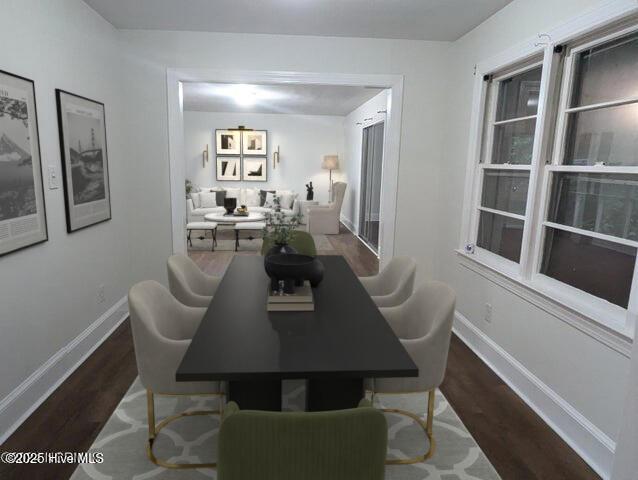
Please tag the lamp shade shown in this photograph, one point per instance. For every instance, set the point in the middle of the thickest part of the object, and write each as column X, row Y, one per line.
column 330, row 162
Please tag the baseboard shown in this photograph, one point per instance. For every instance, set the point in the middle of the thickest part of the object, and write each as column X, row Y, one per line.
column 349, row 225
column 16, row 407
column 593, row 445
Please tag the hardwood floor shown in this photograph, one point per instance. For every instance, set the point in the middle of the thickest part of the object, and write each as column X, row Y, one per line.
column 517, row 442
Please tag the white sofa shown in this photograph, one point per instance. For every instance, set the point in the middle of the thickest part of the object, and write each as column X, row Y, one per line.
column 245, row 196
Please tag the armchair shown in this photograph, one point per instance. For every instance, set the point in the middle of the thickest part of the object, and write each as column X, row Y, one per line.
column 325, row 218
column 336, row 445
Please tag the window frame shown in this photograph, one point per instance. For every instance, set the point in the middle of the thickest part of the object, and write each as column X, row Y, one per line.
column 548, row 152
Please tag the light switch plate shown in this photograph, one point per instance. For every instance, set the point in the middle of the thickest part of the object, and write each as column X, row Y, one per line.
column 54, row 179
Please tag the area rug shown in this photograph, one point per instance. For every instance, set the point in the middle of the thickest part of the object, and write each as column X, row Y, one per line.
column 226, row 241
column 194, row 439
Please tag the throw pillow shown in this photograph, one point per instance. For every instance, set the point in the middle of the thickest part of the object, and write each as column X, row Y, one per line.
column 195, row 199
column 270, row 200
column 232, row 193
column 220, row 196
column 287, row 198
column 252, row 197
column 208, row 199
column 262, row 196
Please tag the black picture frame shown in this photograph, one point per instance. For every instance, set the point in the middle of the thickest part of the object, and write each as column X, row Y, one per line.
column 40, row 235
column 77, row 215
column 220, row 176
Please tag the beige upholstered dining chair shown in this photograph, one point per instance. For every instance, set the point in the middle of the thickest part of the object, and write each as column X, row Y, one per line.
column 188, row 283
column 162, row 331
column 394, row 284
column 325, row 218
column 424, row 326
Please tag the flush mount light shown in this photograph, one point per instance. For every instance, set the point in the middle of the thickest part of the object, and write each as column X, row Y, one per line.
column 244, row 95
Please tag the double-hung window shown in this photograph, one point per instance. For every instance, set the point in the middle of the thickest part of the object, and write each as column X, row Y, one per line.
column 591, row 224
column 506, row 160
column 555, row 191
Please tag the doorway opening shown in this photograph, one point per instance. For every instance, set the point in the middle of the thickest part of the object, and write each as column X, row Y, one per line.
column 371, row 182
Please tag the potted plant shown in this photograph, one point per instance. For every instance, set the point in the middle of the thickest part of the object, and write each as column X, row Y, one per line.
column 281, row 229
column 189, row 188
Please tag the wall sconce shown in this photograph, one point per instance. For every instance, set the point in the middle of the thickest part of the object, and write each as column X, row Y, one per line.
column 205, row 156
column 275, row 158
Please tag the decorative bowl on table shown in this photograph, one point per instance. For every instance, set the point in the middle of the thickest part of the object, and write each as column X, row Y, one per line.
column 293, row 269
column 241, row 211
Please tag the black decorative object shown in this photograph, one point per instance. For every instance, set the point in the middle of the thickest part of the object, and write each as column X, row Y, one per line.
column 230, row 204
column 280, row 249
column 310, row 191
column 293, row 269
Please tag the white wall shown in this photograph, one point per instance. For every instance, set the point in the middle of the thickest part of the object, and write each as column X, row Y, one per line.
column 303, row 141
column 48, row 292
column 588, row 375
column 151, row 52
column 354, row 124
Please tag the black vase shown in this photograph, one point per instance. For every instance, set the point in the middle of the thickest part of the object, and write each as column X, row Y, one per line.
column 314, row 273
column 291, row 268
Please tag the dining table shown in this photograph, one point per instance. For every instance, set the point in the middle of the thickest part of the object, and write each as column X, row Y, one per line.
column 343, row 341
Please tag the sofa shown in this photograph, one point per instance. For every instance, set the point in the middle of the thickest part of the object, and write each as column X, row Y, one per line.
column 211, row 200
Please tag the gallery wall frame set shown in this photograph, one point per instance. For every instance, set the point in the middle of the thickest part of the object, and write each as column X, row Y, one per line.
column 23, row 221
column 239, row 153
column 85, row 169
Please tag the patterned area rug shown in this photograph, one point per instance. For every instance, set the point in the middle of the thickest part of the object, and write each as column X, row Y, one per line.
column 194, row 439
column 226, row 241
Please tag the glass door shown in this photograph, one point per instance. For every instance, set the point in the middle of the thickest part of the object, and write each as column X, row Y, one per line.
column 371, row 172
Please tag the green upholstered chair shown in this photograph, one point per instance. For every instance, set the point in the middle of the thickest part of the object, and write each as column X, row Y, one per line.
column 337, row 445
column 301, row 241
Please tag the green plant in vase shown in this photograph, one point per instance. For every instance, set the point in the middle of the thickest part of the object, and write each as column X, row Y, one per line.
column 280, row 229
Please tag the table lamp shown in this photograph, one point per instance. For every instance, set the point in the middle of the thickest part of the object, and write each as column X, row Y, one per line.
column 330, row 163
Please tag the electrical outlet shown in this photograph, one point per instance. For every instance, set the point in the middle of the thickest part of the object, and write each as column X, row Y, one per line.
column 101, row 295
column 488, row 312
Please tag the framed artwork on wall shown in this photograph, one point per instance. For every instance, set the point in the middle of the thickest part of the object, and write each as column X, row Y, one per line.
column 22, row 211
column 254, row 142
column 228, row 169
column 85, row 170
column 255, row 169
column 228, row 142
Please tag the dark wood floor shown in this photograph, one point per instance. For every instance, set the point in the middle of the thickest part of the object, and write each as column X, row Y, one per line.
column 517, row 442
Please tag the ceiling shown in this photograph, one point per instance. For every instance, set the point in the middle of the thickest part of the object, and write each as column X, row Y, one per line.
column 444, row 20
column 288, row 99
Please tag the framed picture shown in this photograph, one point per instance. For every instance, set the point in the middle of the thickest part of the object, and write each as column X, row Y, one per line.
column 85, row 171
column 228, row 169
column 254, row 142
column 22, row 211
column 255, row 169
column 228, row 142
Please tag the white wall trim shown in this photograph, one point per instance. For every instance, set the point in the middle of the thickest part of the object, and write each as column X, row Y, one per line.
column 589, row 326
column 392, row 149
column 349, row 225
column 16, row 407
column 592, row 444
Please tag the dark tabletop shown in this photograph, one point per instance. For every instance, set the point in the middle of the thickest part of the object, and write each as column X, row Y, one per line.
column 345, row 337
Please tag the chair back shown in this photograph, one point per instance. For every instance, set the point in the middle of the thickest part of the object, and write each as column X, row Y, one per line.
column 184, row 276
column 337, row 445
column 338, row 193
column 429, row 315
column 155, row 319
column 300, row 241
column 398, row 278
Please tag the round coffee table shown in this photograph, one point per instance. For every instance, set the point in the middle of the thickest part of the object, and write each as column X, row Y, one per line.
column 253, row 221
column 224, row 219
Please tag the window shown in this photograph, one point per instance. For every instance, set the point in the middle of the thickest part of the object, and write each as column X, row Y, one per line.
column 591, row 228
column 510, row 129
column 555, row 199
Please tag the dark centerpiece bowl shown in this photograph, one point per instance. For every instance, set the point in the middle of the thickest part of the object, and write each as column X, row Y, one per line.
column 292, row 269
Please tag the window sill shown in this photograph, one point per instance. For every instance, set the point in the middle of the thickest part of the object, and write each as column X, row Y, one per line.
column 607, row 326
